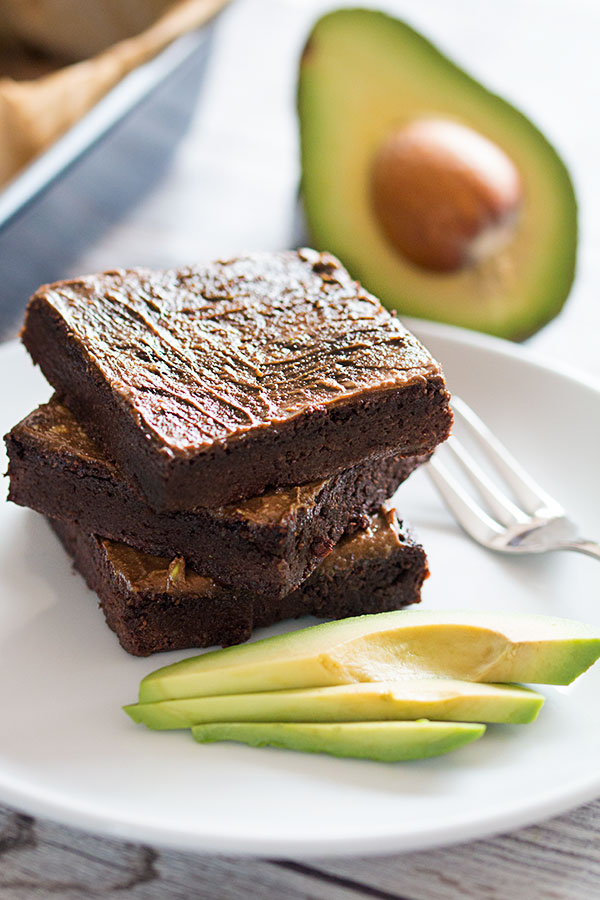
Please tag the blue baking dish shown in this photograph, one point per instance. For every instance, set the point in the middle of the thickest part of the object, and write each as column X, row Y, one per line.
column 87, row 180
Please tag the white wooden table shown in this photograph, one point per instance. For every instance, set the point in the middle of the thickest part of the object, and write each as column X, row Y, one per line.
column 231, row 184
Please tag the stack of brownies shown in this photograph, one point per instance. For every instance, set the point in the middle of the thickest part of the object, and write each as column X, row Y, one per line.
column 221, row 442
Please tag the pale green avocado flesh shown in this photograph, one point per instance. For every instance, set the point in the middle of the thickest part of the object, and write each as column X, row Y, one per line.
column 383, row 741
column 364, row 75
column 394, row 646
column 439, row 699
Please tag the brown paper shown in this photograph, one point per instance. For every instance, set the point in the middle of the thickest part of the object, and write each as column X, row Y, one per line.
column 34, row 113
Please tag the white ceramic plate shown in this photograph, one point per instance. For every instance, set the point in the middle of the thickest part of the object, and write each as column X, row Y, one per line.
column 67, row 751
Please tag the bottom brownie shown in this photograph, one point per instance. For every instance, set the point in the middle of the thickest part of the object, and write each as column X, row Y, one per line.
column 155, row 604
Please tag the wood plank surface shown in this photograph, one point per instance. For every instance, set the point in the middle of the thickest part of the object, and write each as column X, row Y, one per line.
column 558, row 860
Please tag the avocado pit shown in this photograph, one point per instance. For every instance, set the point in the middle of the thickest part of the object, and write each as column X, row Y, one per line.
column 445, row 196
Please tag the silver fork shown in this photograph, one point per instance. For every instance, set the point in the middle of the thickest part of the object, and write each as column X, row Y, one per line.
column 534, row 524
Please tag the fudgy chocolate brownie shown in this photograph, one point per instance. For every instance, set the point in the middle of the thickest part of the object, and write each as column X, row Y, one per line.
column 155, row 604
column 213, row 383
column 267, row 544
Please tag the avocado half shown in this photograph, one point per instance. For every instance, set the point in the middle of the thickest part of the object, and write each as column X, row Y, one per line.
column 365, row 75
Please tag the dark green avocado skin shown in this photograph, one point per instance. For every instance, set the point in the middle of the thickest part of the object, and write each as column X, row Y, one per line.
column 350, row 48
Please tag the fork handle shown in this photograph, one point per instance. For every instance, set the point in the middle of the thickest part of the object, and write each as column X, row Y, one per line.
column 590, row 548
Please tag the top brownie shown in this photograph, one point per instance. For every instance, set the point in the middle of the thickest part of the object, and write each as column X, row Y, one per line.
column 212, row 383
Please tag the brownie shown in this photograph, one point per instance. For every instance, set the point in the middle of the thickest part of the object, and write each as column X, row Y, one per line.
column 214, row 383
column 267, row 544
column 155, row 604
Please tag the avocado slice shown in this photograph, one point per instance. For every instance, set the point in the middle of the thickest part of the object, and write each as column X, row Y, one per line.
column 430, row 698
column 441, row 197
column 465, row 645
column 384, row 741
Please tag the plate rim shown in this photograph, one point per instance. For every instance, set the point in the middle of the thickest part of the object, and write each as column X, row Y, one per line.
column 561, row 801
column 564, row 797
